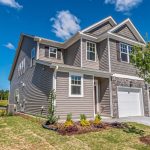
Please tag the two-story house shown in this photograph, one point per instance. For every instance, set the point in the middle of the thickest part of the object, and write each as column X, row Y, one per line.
column 90, row 73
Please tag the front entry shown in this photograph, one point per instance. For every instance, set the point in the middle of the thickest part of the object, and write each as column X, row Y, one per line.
column 96, row 89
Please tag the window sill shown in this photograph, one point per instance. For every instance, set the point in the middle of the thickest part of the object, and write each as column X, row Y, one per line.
column 75, row 96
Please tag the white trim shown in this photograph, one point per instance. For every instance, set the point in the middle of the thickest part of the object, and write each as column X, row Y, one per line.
column 111, row 103
column 37, row 50
column 97, row 95
column 100, row 22
column 81, row 52
column 124, row 22
column 50, row 47
column 93, row 99
column 95, row 51
column 126, row 76
column 109, row 60
column 148, row 99
column 141, row 97
column 118, row 37
column 76, row 74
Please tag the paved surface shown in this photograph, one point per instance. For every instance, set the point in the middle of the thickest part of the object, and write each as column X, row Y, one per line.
column 141, row 120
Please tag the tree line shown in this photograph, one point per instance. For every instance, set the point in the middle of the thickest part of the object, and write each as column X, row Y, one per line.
column 4, row 94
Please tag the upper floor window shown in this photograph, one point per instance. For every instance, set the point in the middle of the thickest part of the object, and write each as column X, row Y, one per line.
column 91, row 51
column 32, row 56
column 52, row 52
column 76, row 85
column 21, row 67
column 125, row 52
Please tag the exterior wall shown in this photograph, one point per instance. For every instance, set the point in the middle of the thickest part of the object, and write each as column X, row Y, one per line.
column 104, row 97
column 101, row 62
column 118, row 66
column 37, row 79
column 126, row 83
column 74, row 105
column 126, row 32
column 100, row 29
column 72, row 55
column 42, row 55
column 102, row 49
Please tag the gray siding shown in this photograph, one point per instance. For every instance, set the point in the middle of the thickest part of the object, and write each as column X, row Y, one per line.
column 102, row 49
column 100, row 29
column 126, row 32
column 37, row 79
column 42, row 55
column 72, row 55
column 104, row 97
column 117, row 66
column 74, row 105
column 87, row 63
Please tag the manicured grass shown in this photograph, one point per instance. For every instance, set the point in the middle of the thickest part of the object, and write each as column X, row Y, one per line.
column 3, row 103
column 19, row 133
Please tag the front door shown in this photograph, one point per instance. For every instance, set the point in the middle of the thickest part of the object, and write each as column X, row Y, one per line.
column 96, row 89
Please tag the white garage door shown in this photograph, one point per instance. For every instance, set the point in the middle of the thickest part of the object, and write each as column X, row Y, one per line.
column 129, row 102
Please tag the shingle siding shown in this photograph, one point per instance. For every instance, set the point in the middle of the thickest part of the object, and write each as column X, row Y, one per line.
column 126, row 32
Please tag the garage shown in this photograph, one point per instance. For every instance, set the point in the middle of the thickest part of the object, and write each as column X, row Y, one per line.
column 130, row 102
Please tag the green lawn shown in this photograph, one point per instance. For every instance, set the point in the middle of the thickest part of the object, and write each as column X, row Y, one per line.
column 18, row 133
column 3, row 102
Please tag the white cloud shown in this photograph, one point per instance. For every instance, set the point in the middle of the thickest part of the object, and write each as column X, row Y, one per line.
column 10, row 46
column 65, row 24
column 124, row 5
column 11, row 3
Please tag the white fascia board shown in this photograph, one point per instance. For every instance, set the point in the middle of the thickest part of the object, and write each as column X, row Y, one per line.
column 98, row 23
column 125, row 22
column 123, row 39
column 126, row 76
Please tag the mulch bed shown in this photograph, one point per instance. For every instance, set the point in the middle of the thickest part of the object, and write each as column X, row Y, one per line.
column 145, row 139
column 77, row 128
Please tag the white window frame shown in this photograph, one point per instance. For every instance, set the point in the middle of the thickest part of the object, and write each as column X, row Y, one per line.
column 17, row 95
column 52, row 52
column 128, row 53
column 32, row 56
column 75, row 74
column 21, row 67
column 90, row 52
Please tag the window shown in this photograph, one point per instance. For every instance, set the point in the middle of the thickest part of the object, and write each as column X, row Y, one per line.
column 125, row 52
column 52, row 52
column 21, row 67
column 32, row 56
column 91, row 51
column 76, row 85
column 16, row 95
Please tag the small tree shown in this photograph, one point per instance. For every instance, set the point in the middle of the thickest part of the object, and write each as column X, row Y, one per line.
column 140, row 58
column 51, row 108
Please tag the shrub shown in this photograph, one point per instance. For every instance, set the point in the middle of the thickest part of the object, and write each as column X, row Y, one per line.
column 52, row 119
column 83, row 120
column 3, row 113
column 97, row 120
column 69, row 121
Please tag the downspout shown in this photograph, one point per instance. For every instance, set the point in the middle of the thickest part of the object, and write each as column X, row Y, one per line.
column 110, row 78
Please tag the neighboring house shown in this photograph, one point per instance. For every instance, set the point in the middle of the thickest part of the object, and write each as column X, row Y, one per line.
column 91, row 73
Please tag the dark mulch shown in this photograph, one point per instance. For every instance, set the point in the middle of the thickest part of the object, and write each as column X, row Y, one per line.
column 77, row 128
column 145, row 139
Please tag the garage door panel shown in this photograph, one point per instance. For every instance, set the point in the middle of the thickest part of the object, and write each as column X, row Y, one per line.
column 129, row 103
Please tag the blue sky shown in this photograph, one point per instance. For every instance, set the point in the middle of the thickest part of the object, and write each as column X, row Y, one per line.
column 58, row 20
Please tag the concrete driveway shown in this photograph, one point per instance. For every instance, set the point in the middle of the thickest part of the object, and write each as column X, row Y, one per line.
column 141, row 120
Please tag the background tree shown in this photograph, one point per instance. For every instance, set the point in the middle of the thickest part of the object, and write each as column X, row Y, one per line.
column 4, row 94
column 140, row 58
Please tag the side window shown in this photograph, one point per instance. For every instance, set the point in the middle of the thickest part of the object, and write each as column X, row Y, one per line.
column 16, row 96
column 125, row 50
column 53, row 52
column 91, row 51
column 75, row 85
column 21, row 67
column 32, row 56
